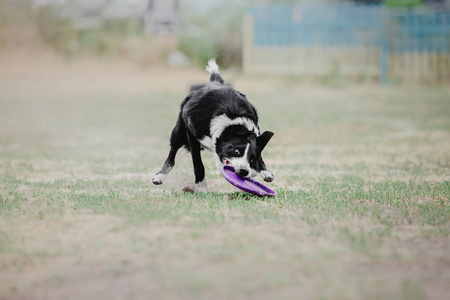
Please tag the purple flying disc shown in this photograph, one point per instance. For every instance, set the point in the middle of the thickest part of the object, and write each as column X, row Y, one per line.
column 245, row 184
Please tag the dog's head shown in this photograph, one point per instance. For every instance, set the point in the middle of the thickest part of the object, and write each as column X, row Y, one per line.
column 241, row 149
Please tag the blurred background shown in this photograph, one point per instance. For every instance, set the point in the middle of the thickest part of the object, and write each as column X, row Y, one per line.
column 357, row 93
column 391, row 41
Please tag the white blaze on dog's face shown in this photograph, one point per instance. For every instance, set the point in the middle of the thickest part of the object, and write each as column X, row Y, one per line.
column 239, row 160
column 239, row 152
column 235, row 151
column 240, row 149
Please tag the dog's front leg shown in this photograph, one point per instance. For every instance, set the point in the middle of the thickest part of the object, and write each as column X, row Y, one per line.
column 262, row 170
column 199, row 169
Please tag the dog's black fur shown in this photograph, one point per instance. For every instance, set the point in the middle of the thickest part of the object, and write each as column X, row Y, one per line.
column 219, row 118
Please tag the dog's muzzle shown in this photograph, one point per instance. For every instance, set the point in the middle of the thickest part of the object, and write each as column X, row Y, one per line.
column 242, row 172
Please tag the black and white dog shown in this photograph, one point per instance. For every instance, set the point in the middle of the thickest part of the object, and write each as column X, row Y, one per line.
column 220, row 119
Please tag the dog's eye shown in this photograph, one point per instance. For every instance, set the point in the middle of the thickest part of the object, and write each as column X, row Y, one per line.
column 237, row 152
column 252, row 160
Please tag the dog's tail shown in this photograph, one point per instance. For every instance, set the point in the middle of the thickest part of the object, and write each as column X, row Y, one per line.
column 213, row 70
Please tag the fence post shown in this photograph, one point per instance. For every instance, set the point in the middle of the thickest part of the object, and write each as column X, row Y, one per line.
column 384, row 62
column 247, row 43
column 383, row 52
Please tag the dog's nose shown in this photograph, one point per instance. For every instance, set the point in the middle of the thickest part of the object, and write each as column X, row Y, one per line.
column 243, row 173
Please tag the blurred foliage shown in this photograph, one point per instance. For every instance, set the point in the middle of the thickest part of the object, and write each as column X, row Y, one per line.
column 21, row 26
column 200, row 38
column 15, row 14
column 124, row 38
column 213, row 33
column 59, row 34
column 16, row 23
column 198, row 49
column 402, row 3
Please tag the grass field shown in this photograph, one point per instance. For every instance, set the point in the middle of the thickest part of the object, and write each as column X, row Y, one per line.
column 362, row 176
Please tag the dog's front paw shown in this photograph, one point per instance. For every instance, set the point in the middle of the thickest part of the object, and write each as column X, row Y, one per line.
column 159, row 178
column 201, row 187
column 267, row 176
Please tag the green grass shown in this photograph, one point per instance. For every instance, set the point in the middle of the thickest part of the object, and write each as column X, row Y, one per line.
column 362, row 208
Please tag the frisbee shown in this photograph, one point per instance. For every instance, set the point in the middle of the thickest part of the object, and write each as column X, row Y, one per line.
column 246, row 184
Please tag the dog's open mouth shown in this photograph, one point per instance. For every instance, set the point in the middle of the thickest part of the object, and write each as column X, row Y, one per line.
column 226, row 162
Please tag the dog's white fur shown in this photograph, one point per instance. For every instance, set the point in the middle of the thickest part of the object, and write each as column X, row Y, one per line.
column 241, row 163
column 212, row 67
column 208, row 143
column 266, row 175
column 218, row 125
column 160, row 177
column 201, row 186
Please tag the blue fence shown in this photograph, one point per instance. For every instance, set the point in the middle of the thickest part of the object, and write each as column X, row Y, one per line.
column 419, row 31
column 392, row 31
column 308, row 25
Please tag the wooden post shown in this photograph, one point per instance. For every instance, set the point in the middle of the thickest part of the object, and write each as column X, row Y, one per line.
column 383, row 59
column 247, row 44
column 383, row 51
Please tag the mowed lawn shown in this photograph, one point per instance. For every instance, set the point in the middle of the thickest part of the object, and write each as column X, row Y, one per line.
column 362, row 176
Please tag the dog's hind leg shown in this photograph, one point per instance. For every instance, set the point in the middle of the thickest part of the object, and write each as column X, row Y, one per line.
column 177, row 140
column 199, row 169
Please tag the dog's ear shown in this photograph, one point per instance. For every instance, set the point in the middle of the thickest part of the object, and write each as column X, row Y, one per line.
column 252, row 137
column 263, row 139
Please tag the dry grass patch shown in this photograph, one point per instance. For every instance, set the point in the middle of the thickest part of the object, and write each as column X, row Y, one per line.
column 362, row 177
